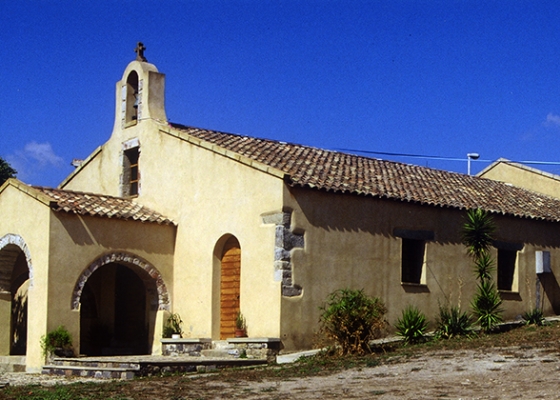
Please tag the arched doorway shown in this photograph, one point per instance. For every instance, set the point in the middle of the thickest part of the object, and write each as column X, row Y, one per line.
column 230, row 286
column 118, row 296
column 15, row 279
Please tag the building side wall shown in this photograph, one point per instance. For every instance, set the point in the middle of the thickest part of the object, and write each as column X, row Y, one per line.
column 350, row 242
column 24, row 216
column 532, row 179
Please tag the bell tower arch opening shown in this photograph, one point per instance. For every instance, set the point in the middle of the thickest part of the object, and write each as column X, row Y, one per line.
column 131, row 99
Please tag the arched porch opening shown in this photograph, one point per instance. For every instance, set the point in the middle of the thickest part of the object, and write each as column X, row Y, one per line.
column 15, row 279
column 119, row 297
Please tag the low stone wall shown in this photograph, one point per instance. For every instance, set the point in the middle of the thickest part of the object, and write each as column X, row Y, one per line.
column 186, row 347
column 259, row 348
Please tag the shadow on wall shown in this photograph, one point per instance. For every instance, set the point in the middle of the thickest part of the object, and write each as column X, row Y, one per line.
column 551, row 290
column 353, row 213
column 19, row 326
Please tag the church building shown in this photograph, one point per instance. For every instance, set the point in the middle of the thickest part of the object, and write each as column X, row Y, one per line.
column 168, row 218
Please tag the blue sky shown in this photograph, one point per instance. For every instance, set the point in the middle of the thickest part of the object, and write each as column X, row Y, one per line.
column 438, row 78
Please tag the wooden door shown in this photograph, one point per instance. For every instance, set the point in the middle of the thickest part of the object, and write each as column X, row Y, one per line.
column 230, row 287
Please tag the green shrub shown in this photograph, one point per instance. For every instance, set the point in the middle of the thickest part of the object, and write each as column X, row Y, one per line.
column 452, row 322
column 58, row 340
column 352, row 319
column 412, row 325
column 534, row 317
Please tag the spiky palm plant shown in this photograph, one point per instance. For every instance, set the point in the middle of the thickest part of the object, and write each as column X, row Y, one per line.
column 486, row 305
column 483, row 267
column 478, row 233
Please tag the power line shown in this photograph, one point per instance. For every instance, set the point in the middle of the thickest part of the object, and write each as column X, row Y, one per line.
column 443, row 158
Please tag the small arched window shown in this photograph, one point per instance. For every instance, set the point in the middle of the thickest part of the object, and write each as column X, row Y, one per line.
column 130, row 97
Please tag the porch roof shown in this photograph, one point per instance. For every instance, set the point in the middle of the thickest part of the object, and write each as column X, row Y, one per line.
column 97, row 205
column 334, row 171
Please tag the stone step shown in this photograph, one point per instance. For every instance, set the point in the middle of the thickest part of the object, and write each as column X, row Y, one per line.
column 110, row 364
column 222, row 344
column 221, row 353
column 89, row 371
column 12, row 364
column 147, row 366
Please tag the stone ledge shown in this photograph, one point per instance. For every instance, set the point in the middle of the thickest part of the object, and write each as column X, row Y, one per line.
column 185, row 346
column 253, row 340
column 186, row 341
column 259, row 348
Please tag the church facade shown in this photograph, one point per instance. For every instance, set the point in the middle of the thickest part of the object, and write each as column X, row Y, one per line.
column 166, row 218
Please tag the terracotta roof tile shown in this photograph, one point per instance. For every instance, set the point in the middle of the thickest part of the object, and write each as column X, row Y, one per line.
column 98, row 205
column 347, row 173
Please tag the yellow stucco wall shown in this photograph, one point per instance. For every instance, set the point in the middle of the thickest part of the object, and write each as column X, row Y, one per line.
column 24, row 216
column 350, row 243
column 210, row 195
column 81, row 241
column 523, row 176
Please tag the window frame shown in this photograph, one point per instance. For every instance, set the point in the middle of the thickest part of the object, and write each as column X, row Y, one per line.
column 130, row 177
column 507, row 266
column 413, row 255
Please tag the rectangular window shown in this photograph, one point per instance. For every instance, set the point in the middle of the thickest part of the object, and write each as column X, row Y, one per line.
column 131, row 174
column 413, row 252
column 507, row 260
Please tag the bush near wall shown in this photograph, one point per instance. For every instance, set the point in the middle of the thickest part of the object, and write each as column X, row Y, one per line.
column 352, row 319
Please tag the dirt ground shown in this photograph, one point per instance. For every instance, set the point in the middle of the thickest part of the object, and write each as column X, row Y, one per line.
column 509, row 373
column 518, row 372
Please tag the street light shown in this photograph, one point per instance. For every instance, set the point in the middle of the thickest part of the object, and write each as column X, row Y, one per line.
column 471, row 156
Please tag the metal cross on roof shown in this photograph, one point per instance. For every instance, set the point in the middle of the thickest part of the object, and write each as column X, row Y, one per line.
column 139, row 50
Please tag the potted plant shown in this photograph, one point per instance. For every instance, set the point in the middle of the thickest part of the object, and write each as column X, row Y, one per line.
column 240, row 325
column 57, row 342
column 173, row 327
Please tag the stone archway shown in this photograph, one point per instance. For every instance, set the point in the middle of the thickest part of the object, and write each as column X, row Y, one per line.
column 128, row 259
column 118, row 296
column 16, row 276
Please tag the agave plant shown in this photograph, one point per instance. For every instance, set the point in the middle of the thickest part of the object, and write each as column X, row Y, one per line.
column 452, row 322
column 412, row 325
column 534, row 317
